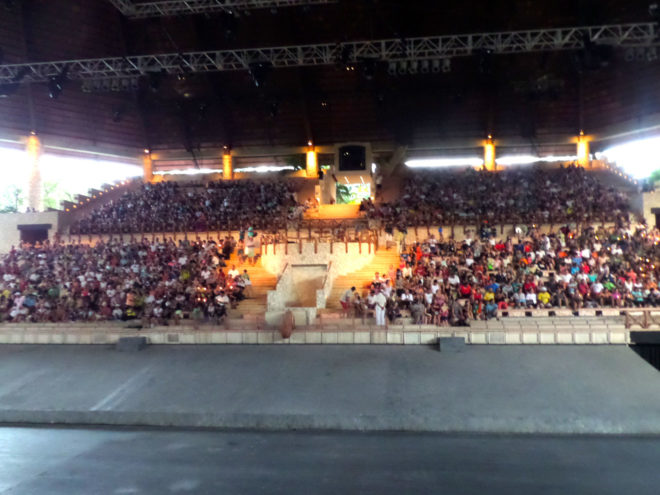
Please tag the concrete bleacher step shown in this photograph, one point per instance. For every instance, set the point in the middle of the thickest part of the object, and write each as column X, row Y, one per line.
column 361, row 278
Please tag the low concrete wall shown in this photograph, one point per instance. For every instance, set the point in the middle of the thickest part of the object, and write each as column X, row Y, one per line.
column 510, row 331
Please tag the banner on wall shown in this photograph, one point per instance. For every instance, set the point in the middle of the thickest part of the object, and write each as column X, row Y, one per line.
column 349, row 194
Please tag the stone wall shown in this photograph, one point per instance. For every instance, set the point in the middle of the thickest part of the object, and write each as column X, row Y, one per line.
column 345, row 257
column 651, row 200
column 9, row 222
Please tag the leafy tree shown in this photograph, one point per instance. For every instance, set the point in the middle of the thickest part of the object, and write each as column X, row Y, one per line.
column 655, row 176
column 11, row 199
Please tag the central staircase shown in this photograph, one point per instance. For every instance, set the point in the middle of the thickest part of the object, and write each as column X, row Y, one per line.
column 363, row 277
column 262, row 281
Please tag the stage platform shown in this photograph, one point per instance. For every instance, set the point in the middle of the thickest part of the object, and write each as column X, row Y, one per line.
column 494, row 389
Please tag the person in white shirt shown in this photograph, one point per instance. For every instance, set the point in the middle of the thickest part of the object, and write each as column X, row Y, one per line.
column 233, row 273
column 380, row 302
column 530, row 299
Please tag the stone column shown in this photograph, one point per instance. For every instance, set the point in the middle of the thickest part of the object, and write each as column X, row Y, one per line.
column 35, row 185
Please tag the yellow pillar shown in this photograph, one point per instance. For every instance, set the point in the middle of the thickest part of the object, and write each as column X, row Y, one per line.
column 489, row 154
column 35, row 187
column 312, row 162
column 227, row 165
column 147, row 166
column 583, row 150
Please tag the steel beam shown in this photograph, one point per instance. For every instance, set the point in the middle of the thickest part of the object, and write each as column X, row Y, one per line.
column 388, row 50
column 164, row 8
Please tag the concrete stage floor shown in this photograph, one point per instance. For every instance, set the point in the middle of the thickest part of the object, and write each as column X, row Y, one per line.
column 79, row 462
column 495, row 389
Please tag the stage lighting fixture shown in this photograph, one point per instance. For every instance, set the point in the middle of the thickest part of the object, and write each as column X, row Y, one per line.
column 54, row 87
column 369, row 68
column 391, row 69
column 435, row 66
column 414, row 67
column 403, row 67
column 259, row 72
column 425, row 67
column 56, row 83
column 446, row 65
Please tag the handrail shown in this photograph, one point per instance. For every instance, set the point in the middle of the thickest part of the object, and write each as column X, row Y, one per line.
column 279, row 277
column 327, row 272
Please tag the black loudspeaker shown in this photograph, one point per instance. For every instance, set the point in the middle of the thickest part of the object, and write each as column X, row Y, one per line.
column 352, row 158
column 131, row 344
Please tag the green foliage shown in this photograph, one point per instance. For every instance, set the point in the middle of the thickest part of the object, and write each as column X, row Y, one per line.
column 343, row 194
column 655, row 176
column 13, row 197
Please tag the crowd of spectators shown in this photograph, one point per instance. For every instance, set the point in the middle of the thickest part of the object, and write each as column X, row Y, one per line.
column 529, row 196
column 443, row 281
column 184, row 207
column 158, row 281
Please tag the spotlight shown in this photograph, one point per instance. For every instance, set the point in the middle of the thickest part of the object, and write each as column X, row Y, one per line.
column 391, row 69
column 435, row 66
column 56, row 83
column 446, row 65
column 54, row 87
column 425, row 67
column 259, row 72
column 346, row 58
column 629, row 55
column 403, row 67
column 414, row 67
column 369, row 69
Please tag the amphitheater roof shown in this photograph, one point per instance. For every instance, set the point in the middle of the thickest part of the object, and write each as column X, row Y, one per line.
column 538, row 98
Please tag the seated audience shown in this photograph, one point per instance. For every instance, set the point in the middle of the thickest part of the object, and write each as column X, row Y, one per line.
column 184, row 207
column 158, row 281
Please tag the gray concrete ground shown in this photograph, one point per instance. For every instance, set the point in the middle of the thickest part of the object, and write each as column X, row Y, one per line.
column 79, row 462
column 502, row 389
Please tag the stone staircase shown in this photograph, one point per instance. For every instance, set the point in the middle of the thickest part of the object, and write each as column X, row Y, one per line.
column 363, row 277
column 262, row 281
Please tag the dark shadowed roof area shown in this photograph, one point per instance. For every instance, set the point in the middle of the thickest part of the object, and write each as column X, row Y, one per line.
column 533, row 97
